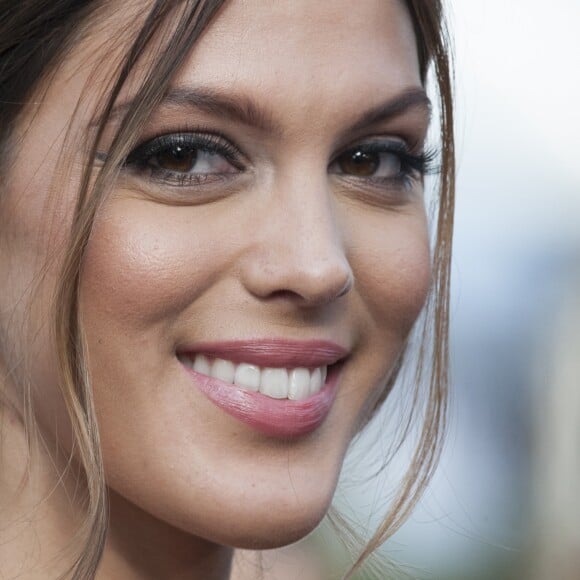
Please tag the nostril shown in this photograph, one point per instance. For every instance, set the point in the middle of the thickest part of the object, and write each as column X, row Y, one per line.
column 305, row 292
column 308, row 269
column 284, row 295
column 348, row 285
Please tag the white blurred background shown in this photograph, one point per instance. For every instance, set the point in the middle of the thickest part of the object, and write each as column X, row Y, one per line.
column 516, row 265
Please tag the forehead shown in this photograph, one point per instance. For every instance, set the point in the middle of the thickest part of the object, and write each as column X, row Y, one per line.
column 308, row 44
column 295, row 54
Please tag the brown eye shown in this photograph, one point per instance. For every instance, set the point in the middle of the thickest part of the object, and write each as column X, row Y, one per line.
column 177, row 158
column 186, row 158
column 361, row 163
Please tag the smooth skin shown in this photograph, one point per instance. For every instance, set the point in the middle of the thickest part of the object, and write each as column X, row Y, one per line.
column 287, row 246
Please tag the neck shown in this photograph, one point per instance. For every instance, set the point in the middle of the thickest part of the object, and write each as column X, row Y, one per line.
column 142, row 547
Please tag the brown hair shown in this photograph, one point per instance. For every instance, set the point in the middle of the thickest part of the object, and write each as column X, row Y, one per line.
column 34, row 39
column 433, row 44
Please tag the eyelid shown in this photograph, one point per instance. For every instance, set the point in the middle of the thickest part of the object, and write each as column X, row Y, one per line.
column 202, row 139
column 416, row 157
column 376, row 143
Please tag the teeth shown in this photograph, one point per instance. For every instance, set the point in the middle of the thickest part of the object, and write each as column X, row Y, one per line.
column 279, row 383
column 248, row 377
column 315, row 381
column 274, row 383
column 299, row 384
column 224, row 370
column 201, row 365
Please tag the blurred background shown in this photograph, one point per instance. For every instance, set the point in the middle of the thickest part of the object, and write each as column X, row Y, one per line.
column 505, row 502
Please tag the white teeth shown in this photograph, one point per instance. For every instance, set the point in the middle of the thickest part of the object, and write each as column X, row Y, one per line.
column 274, row 383
column 299, row 384
column 315, row 381
column 223, row 370
column 248, row 376
column 279, row 383
column 202, row 365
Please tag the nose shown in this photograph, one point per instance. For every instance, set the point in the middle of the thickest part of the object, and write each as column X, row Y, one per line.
column 298, row 249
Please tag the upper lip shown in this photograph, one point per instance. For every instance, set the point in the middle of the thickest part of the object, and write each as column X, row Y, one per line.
column 273, row 352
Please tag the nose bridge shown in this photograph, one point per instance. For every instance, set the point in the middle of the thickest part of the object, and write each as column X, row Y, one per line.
column 300, row 249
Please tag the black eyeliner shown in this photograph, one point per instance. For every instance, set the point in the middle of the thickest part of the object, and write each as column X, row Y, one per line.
column 208, row 142
column 422, row 163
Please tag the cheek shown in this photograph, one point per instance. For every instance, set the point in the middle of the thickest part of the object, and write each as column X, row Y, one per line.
column 393, row 270
column 146, row 264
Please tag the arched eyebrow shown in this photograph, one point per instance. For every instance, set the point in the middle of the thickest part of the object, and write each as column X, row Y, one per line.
column 244, row 109
column 415, row 98
column 239, row 108
column 235, row 107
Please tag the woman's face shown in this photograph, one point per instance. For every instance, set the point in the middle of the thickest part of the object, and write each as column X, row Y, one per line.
column 269, row 231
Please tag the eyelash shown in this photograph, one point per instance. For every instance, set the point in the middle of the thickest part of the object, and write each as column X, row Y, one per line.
column 140, row 158
column 413, row 166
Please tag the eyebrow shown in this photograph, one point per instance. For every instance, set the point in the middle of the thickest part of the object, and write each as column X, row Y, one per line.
column 415, row 98
column 244, row 109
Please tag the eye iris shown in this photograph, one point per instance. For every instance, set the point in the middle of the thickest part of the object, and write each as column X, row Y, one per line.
column 178, row 158
column 360, row 163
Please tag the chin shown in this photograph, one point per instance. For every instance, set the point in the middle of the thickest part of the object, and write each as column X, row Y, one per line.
column 273, row 529
column 271, row 537
column 241, row 507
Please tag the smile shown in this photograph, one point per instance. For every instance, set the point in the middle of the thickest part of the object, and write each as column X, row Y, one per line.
column 295, row 384
column 280, row 388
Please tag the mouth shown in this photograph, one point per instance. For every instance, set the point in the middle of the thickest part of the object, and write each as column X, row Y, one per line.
column 279, row 388
column 295, row 384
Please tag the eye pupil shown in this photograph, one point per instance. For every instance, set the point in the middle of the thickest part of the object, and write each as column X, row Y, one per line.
column 177, row 158
column 360, row 163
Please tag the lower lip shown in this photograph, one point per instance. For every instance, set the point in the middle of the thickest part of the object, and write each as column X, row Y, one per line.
column 281, row 418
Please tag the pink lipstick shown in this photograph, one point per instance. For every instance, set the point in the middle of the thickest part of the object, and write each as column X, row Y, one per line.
column 278, row 387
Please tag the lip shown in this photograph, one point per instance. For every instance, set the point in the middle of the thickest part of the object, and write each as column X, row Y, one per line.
column 280, row 418
column 276, row 352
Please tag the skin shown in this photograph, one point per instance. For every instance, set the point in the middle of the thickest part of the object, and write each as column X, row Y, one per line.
column 285, row 249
